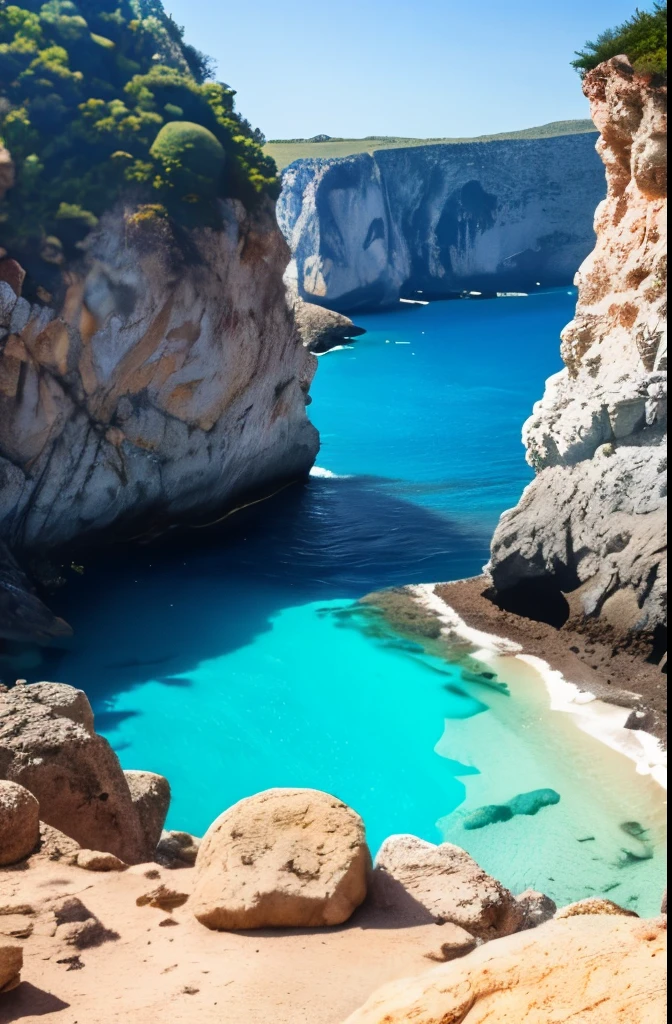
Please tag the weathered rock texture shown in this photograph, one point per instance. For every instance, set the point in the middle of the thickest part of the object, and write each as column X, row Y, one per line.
column 151, row 797
column 19, row 823
column 283, row 858
column 502, row 215
column 597, row 970
column 11, row 962
column 48, row 745
column 322, row 329
column 442, row 883
column 592, row 523
column 163, row 380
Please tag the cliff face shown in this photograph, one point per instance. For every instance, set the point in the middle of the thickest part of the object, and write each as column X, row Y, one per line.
column 592, row 524
column 499, row 215
column 170, row 381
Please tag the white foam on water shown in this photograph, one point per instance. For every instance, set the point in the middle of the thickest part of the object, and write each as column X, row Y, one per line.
column 599, row 719
column 326, row 474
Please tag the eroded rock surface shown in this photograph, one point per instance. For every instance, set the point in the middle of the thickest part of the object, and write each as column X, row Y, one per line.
column 48, row 745
column 421, row 881
column 593, row 522
column 282, row 858
column 499, row 215
column 162, row 380
column 151, row 797
column 19, row 823
column 597, row 970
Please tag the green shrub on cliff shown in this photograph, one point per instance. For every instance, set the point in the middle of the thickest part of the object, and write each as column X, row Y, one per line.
column 643, row 39
column 103, row 98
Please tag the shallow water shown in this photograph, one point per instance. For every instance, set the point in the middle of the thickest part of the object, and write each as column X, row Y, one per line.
column 222, row 661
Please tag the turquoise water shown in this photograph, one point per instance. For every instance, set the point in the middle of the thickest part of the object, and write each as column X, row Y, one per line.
column 225, row 662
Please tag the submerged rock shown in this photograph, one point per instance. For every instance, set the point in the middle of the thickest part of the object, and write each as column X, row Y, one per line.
column 488, row 815
column 285, row 858
column 19, row 823
column 531, row 803
column 48, row 745
column 599, row 970
column 419, row 882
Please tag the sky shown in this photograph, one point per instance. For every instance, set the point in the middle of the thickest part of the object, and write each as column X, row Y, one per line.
column 418, row 68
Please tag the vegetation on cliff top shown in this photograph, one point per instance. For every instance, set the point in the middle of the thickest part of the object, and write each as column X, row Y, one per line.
column 642, row 38
column 101, row 98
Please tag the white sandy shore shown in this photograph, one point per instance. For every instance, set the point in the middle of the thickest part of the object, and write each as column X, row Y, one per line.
column 599, row 719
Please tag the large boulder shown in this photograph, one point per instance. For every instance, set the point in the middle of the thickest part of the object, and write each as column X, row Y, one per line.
column 420, row 881
column 19, row 823
column 283, row 858
column 48, row 745
column 151, row 796
column 592, row 970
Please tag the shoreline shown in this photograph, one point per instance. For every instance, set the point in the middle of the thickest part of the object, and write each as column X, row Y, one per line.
column 620, row 719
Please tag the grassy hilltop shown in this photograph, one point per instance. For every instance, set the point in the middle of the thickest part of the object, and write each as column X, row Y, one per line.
column 285, row 151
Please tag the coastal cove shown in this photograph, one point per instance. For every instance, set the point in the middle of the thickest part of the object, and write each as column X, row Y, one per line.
column 235, row 662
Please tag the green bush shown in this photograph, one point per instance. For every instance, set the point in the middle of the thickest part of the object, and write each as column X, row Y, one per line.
column 101, row 99
column 643, row 39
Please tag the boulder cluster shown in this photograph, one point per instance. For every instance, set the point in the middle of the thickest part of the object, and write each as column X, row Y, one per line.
column 284, row 858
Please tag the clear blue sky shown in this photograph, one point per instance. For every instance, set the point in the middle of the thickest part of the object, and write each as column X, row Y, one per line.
column 415, row 68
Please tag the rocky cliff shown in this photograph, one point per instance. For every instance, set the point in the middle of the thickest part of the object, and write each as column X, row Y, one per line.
column 169, row 380
column 592, row 524
column 501, row 215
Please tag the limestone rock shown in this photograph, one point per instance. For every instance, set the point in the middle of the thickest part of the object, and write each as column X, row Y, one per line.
column 597, row 970
column 47, row 745
column 177, row 849
column 151, row 796
column 11, row 962
column 322, row 329
column 365, row 230
column 422, row 882
column 19, row 823
column 163, row 898
column 283, row 858
column 537, row 908
column 168, row 381
column 97, row 860
column 55, row 845
column 592, row 525
column 593, row 905
column 23, row 616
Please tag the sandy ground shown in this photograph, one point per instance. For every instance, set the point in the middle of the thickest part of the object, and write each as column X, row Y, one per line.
column 153, row 966
column 611, row 674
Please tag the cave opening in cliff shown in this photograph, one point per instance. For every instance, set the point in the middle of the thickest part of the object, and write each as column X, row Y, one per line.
column 541, row 600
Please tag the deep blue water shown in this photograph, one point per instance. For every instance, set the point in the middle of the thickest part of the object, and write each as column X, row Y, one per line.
column 208, row 659
column 225, row 662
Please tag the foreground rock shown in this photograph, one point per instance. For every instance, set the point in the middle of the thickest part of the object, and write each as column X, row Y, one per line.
column 49, row 746
column 286, row 858
column 597, row 970
column 593, row 522
column 420, row 881
column 151, row 797
column 19, row 823
column 11, row 962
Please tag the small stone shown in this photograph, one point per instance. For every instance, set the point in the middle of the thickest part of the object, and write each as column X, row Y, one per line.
column 97, row 860
column 11, row 962
column 536, row 907
column 593, row 905
column 162, row 898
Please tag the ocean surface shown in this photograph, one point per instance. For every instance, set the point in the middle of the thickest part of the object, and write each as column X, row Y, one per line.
column 232, row 662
